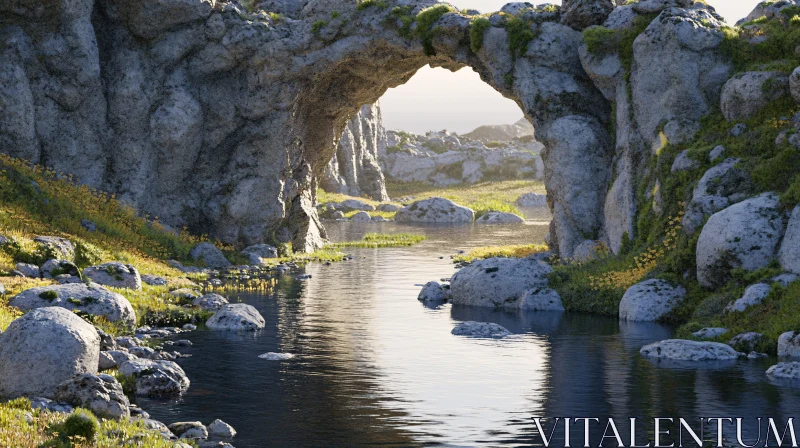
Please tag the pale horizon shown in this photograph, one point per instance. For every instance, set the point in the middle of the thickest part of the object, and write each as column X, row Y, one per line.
column 437, row 99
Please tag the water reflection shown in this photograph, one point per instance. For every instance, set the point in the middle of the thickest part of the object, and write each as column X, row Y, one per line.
column 376, row 367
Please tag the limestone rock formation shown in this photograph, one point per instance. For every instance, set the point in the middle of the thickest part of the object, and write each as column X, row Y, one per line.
column 790, row 247
column 44, row 348
column 355, row 169
column 218, row 118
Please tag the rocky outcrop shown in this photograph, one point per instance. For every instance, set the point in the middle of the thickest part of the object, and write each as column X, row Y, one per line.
column 753, row 295
column 522, row 129
column 498, row 282
column 789, row 345
column 445, row 158
column 355, row 169
column 435, row 209
column 91, row 299
column 156, row 378
column 209, row 254
column 650, row 300
column 747, row 93
column 745, row 235
column 789, row 254
column 101, row 394
column 720, row 186
column 44, row 348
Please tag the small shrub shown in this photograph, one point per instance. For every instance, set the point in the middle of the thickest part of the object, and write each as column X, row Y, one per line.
column 520, row 35
column 317, row 26
column 80, row 425
column 425, row 29
column 87, row 254
column 477, row 28
column 364, row 4
column 601, row 40
column 48, row 295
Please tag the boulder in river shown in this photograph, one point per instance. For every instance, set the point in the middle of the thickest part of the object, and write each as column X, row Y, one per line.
column 91, row 299
column 500, row 218
column 44, row 348
column 540, row 299
column 685, row 350
column 498, row 282
column 236, row 317
column 432, row 292
column 785, row 370
column 210, row 301
column 114, row 274
column 189, row 430
column 220, row 429
column 650, row 300
column 435, row 209
column 480, row 330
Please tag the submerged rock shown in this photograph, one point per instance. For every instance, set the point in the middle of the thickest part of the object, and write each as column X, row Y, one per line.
column 44, row 348
column 271, row 356
column 650, row 300
column 91, row 299
column 435, row 210
column 236, row 317
column 480, row 330
column 500, row 218
column 498, row 282
column 685, row 350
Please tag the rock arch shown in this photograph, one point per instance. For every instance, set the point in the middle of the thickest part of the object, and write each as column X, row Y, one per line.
column 221, row 119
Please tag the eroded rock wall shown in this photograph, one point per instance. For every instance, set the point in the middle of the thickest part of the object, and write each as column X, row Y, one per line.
column 220, row 118
column 355, row 169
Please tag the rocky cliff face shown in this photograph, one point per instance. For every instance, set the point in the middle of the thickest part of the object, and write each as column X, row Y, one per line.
column 502, row 133
column 221, row 116
column 355, row 170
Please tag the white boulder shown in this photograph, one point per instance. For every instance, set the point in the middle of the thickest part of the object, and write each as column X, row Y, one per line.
column 114, row 274
column 220, row 429
column 236, row 317
column 156, row 378
column 500, row 218
column 480, row 330
column 44, row 348
column 541, row 299
column 211, row 301
column 497, row 282
column 753, row 295
column 91, row 299
column 685, row 350
column 432, row 292
column 650, row 300
column 789, row 254
column 785, row 371
column 744, row 235
column 789, row 344
column 435, row 210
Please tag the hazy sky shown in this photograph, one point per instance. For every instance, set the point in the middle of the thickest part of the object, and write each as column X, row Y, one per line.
column 436, row 99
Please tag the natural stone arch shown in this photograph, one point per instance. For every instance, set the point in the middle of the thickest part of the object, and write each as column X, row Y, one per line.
column 549, row 84
column 220, row 119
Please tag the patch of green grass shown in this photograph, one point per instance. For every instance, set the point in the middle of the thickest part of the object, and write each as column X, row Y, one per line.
column 403, row 15
column 520, row 35
column 318, row 25
column 603, row 41
column 364, row 4
column 782, row 37
column 45, row 429
column 477, row 28
column 515, row 251
column 425, row 21
column 380, row 240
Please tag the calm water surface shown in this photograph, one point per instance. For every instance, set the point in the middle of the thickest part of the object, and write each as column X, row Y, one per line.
column 375, row 367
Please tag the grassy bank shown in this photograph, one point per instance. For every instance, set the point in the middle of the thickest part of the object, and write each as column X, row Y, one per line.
column 378, row 240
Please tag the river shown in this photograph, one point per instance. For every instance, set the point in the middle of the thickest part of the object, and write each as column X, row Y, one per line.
column 375, row 367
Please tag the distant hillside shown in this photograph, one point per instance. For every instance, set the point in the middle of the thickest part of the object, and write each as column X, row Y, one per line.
column 502, row 133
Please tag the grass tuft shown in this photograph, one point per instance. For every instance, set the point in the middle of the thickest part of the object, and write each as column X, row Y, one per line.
column 518, row 251
column 379, row 240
